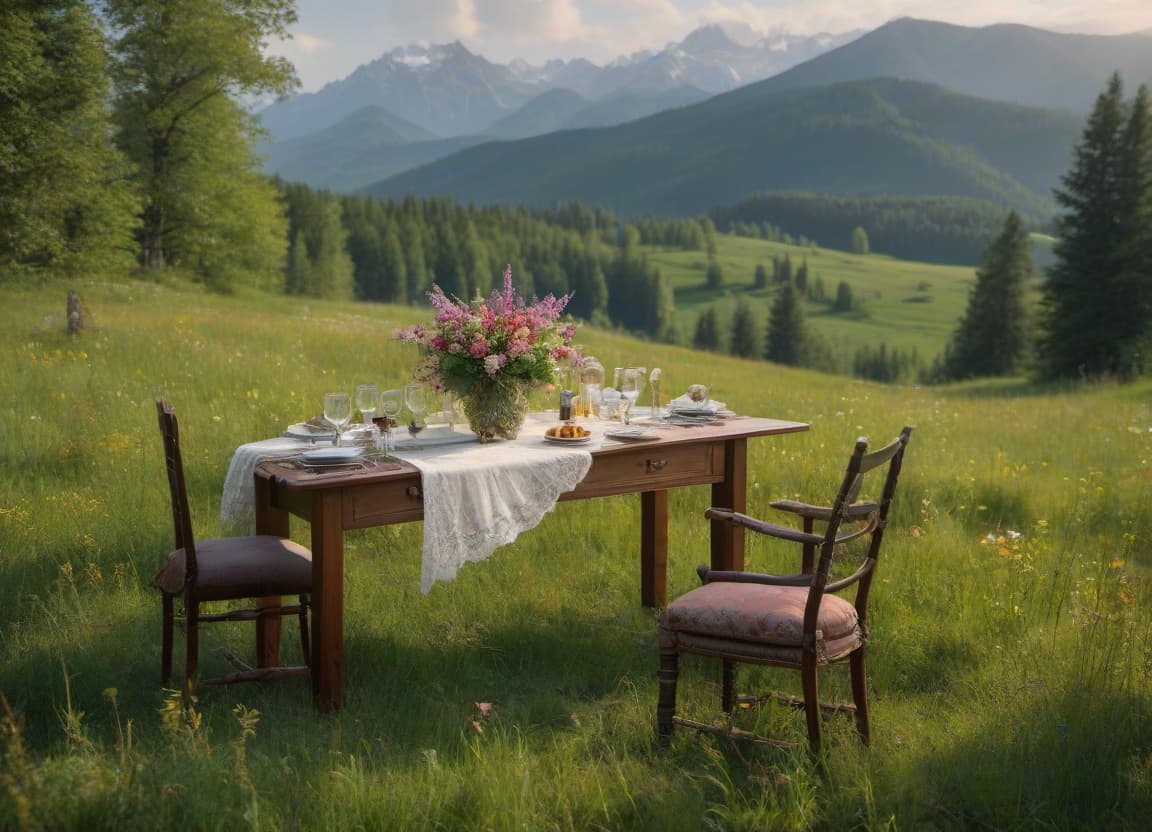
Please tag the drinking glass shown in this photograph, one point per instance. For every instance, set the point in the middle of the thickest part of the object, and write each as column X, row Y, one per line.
column 631, row 382
column 337, row 412
column 366, row 395
column 416, row 396
column 391, row 402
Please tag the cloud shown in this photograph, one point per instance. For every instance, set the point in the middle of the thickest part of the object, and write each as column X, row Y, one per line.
column 311, row 44
column 433, row 20
column 810, row 16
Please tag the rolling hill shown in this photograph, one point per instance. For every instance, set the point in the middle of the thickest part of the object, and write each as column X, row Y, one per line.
column 881, row 136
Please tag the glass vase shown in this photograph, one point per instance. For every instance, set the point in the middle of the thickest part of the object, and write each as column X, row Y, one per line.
column 496, row 408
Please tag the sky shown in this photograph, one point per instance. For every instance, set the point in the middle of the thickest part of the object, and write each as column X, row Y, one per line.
column 333, row 37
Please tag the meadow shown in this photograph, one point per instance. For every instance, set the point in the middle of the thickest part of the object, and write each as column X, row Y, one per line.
column 1010, row 663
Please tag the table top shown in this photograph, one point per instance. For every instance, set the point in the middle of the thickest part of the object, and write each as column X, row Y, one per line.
column 391, row 468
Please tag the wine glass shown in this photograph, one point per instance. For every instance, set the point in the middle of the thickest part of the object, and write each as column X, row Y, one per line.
column 631, row 381
column 391, row 402
column 337, row 412
column 366, row 395
column 416, row 396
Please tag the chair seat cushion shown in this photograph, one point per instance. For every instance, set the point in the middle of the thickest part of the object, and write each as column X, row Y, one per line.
column 241, row 567
column 753, row 620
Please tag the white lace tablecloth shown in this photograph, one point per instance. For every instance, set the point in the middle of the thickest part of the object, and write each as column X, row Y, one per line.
column 476, row 497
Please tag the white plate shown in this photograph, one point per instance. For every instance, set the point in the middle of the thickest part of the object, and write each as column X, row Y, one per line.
column 328, row 456
column 631, row 435
column 574, row 440
column 301, row 430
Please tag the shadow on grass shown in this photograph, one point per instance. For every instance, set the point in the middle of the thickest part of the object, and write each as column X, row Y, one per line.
column 1053, row 759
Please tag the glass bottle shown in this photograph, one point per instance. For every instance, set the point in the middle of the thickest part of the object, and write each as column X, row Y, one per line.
column 591, row 386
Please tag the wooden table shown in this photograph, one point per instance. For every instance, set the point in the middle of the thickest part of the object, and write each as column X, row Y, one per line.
column 708, row 454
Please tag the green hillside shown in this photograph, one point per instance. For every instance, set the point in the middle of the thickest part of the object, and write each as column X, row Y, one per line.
column 909, row 305
column 874, row 137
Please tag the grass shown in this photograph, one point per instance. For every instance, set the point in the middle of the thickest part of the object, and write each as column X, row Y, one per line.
column 1010, row 673
column 909, row 305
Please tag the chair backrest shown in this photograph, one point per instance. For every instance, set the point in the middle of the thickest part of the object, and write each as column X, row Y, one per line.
column 861, row 463
column 181, row 517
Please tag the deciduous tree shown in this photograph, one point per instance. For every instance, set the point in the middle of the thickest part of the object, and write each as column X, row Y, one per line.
column 182, row 68
column 65, row 202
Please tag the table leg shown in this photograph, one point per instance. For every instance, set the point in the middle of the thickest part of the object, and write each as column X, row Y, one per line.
column 327, row 599
column 654, row 548
column 732, row 492
column 269, row 520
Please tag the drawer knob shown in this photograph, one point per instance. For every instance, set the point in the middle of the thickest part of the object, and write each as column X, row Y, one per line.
column 656, row 464
column 414, row 492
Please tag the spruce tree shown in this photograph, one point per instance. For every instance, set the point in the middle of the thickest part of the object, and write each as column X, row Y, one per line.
column 746, row 336
column 1095, row 302
column 707, row 335
column 787, row 337
column 992, row 336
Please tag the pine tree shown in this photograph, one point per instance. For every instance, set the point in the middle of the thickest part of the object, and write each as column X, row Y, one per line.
column 1095, row 304
column 992, row 336
column 746, row 335
column 844, row 300
column 760, row 278
column 65, row 202
column 714, row 277
column 182, row 68
column 707, row 335
column 787, row 336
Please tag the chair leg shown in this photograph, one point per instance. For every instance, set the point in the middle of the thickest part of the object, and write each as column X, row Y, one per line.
column 811, row 701
column 166, row 617
column 191, row 647
column 728, row 686
column 305, row 645
column 666, row 707
column 856, row 665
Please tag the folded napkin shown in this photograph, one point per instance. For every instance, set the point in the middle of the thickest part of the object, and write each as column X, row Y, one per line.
column 683, row 403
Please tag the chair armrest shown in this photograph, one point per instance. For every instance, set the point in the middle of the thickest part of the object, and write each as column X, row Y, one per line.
column 734, row 518
column 708, row 575
column 854, row 512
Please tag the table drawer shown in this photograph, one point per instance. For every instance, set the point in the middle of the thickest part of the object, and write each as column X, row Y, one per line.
column 381, row 503
column 652, row 468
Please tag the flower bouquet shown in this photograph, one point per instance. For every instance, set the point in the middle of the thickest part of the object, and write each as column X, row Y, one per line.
column 489, row 353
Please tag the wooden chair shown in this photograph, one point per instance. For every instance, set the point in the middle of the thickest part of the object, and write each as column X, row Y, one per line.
column 792, row 621
column 223, row 569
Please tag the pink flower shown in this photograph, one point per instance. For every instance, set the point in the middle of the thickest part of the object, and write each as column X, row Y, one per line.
column 490, row 337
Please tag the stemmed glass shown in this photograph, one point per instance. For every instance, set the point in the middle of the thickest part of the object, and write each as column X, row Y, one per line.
column 337, row 412
column 631, row 381
column 416, row 397
column 391, row 401
column 366, row 395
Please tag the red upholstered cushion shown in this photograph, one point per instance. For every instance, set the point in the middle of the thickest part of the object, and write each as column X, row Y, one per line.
column 241, row 567
column 768, row 616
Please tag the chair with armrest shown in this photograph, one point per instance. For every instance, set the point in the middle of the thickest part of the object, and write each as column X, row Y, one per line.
column 793, row 621
column 223, row 569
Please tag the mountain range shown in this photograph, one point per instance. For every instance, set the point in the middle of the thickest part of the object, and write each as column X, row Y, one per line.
column 450, row 91
column 872, row 137
column 904, row 109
